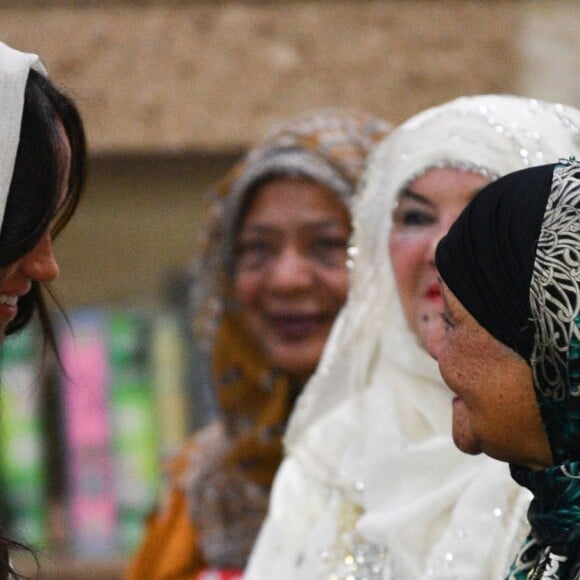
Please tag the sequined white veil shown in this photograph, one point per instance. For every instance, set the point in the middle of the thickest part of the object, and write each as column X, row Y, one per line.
column 374, row 421
column 493, row 134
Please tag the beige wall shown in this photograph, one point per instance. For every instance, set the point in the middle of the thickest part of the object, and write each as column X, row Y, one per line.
column 136, row 225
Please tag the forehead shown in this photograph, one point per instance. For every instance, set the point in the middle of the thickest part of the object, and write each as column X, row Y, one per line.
column 440, row 183
column 286, row 201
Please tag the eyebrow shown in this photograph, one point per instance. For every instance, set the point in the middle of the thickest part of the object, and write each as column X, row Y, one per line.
column 323, row 224
column 413, row 195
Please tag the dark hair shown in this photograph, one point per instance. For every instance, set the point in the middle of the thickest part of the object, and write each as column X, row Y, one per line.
column 33, row 201
column 36, row 182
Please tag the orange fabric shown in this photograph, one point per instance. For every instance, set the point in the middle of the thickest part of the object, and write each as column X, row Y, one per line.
column 170, row 549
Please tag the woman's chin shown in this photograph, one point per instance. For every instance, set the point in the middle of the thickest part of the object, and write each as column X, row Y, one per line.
column 298, row 367
column 463, row 436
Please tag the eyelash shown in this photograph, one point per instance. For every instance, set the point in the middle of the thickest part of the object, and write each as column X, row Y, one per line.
column 330, row 243
column 446, row 321
column 253, row 254
column 414, row 218
column 327, row 250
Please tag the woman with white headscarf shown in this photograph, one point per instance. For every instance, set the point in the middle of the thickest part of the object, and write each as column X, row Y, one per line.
column 372, row 486
column 42, row 169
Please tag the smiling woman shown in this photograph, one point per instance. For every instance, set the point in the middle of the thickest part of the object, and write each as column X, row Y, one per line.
column 42, row 168
column 272, row 277
column 291, row 278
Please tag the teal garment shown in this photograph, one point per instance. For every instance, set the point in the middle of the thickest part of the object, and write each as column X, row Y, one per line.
column 552, row 551
column 553, row 548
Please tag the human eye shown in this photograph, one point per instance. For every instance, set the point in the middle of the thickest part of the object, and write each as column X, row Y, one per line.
column 414, row 210
column 413, row 217
column 330, row 250
column 253, row 253
column 447, row 322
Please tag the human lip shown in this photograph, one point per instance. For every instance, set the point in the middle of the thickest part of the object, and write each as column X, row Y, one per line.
column 296, row 326
column 456, row 400
column 434, row 293
column 8, row 307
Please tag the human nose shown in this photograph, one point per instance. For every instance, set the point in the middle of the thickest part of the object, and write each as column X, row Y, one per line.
column 435, row 239
column 438, row 234
column 290, row 272
column 434, row 335
column 40, row 263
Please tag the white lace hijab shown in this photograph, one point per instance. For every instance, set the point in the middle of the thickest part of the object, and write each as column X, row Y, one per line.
column 430, row 505
column 14, row 69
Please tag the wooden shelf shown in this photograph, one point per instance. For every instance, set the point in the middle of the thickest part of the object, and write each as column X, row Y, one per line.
column 66, row 568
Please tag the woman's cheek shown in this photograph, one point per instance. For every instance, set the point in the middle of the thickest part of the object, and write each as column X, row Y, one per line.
column 248, row 287
column 335, row 284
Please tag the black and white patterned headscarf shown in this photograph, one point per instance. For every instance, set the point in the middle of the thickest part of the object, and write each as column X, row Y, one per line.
column 513, row 261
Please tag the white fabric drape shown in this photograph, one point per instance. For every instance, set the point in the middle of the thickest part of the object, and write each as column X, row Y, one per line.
column 14, row 68
column 372, row 485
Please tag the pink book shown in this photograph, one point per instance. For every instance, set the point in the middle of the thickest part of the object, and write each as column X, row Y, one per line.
column 87, row 434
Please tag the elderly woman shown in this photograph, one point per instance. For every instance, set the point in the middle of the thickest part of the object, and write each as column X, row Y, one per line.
column 510, row 349
column 272, row 278
column 373, row 486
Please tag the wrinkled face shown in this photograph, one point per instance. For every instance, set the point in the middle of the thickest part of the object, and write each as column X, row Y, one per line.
column 495, row 409
column 38, row 265
column 291, row 278
column 425, row 210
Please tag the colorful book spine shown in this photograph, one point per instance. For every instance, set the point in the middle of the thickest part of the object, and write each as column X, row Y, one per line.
column 135, row 431
column 84, row 385
column 167, row 356
column 22, row 459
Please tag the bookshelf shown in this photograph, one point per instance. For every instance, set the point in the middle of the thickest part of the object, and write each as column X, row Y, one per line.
column 81, row 447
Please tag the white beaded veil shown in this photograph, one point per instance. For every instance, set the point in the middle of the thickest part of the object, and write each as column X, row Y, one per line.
column 14, row 68
column 374, row 421
column 495, row 135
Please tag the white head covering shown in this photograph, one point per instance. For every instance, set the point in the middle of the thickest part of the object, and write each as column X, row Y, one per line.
column 374, row 422
column 490, row 134
column 14, row 69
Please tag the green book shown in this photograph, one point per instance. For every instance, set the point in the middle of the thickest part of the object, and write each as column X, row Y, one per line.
column 22, row 458
column 135, row 432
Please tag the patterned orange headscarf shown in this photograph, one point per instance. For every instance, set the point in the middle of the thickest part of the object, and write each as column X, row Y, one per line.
column 224, row 472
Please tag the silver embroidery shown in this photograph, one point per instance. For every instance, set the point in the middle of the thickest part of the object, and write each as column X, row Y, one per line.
column 555, row 284
column 353, row 557
column 362, row 559
column 525, row 560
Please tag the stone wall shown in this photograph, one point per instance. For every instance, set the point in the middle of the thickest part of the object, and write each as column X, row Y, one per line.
column 182, row 76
